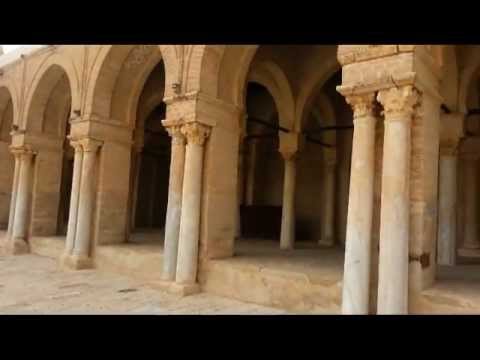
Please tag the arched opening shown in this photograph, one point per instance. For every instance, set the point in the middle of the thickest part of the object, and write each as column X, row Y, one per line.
column 291, row 107
column 48, row 119
column 133, row 166
column 261, row 204
column 150, row 163
column 6, row 158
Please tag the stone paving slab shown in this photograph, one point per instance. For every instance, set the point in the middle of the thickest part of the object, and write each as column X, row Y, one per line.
column 32, row 284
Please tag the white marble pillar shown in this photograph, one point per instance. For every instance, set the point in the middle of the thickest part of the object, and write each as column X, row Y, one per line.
column 328, row 206
column 18, row 242
column 13, row 198
column 398, row 106
column 174, row 206
column 189, row 237
column 81, row 251
column 471, row 242
column 447, row 206
column 356, row 276
column 287, row 232
column 250, row 174
column 74, row 196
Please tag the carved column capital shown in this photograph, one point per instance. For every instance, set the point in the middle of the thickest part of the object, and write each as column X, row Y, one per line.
column 289, row 155
column 175, row 132
column 77, row 146
column 399, row 103
column 449, row 148
column 196, row 133
column 22, row 152
column 363, row 105
column 90, row 145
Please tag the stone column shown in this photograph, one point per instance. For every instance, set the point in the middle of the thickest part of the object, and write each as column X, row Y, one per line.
column 153, row 191
column 240, row 187
column 471, row 242
column 18, row 242
column 11, row 214
column 81, row 251
column 328, row 213
column 395, row 207
column 250, row 175
column 287, row 233
column 136, row 180
column 74, row 197
column 189, row 237
column 174, row 206
column 356, row 276
column 447, row 207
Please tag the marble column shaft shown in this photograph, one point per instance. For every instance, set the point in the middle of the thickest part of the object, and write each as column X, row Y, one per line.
column 136, row 181
column 356, row 279
column 187, row 261
column 22, row 198
column 398, row 106
column 328, row 213
column 287, row 233
column 250, row 175
column 447, row 206
column 13, row 198
column 174, row 206
column 74, row 197
column 84, row 229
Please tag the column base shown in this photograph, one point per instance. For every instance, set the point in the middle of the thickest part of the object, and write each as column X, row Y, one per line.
column 328, row 242
column 16, row 246
column 76, row 262
column 471, row 253
column 286, row 246
column 176, row 288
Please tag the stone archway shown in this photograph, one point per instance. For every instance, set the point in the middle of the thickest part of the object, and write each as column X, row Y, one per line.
column 225, row 79
column 47, row 125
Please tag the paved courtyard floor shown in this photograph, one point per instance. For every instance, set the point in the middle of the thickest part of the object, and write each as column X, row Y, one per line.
column 32, row 284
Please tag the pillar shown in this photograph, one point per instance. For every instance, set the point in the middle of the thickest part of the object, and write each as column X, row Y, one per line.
column 14, row 194
column 74, row 198
column 189, row 236
column 174, row 206
column 328, row 213
column 398, row 106
column 447, row 209
column 240, row 187
column 356, row 276
column 471, row 242
column 153, row 191
column 250, row 175
column 82, row 246
column 287, row 233
column 18, row 241
column 136, row 180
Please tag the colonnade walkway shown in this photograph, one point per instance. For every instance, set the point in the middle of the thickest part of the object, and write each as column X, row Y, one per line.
column 305, row 280
column 33, row 284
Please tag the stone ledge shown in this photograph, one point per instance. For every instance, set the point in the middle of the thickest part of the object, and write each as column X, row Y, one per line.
column 469, row 253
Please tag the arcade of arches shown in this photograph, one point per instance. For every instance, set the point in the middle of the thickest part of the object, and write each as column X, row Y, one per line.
column 316, row 178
